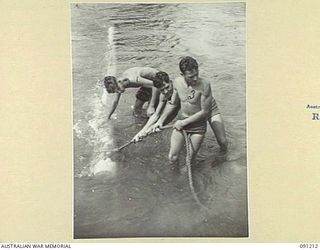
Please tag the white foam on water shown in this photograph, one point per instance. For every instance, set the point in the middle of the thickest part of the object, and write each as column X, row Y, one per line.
column 102, row 136
column 77, row 129
column 104, row 98
column 104, row 166
column 112, row 60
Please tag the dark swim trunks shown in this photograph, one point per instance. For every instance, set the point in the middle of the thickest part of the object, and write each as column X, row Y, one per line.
column 199, row 127
column 144, row 94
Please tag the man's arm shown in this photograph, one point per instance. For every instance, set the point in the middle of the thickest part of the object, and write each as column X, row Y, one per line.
column 145, row 82
column 114, row 104
column 152, row 120
column 155, row 117
column 206, row 101
column 146, row 76
column 170, row 108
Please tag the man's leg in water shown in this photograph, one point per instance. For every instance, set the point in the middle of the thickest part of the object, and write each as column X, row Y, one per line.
column 176, row 144
column 195, row 143
column 137, row 109
column 217, row 126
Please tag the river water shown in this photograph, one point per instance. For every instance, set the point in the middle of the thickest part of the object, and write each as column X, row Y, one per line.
column 133, row 193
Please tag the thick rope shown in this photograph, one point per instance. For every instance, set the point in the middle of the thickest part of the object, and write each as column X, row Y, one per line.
column 188, row 162
column 189, row 165
column 109, row 153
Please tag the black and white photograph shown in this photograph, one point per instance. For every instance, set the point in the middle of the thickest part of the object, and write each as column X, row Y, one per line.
column 159, row 120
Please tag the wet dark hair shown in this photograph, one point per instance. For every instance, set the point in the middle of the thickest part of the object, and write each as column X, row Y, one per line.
column 108, row 81
column 160, row 78
column 188, row 64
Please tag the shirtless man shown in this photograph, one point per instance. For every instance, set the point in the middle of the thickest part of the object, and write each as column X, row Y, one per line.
column 195, row 97
column 166, row 89
column 136, row 77
column 156, row 121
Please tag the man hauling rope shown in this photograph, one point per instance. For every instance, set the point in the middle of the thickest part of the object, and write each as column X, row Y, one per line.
column 197, row 106
column 136, row 77
column 194, row 95
column 159, row 118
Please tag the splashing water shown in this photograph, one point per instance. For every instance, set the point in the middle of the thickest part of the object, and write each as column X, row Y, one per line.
column 102, row 132
column 135, row 194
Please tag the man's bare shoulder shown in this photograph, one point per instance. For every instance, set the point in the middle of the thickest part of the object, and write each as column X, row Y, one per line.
column 206, row 86
column 204, row 81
